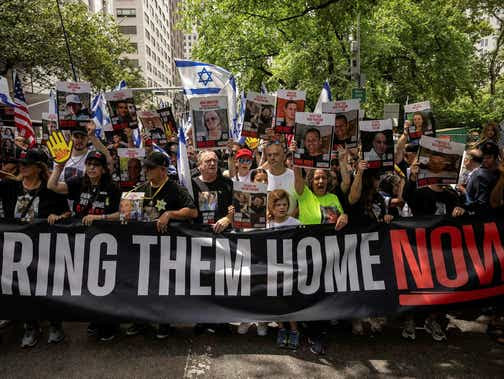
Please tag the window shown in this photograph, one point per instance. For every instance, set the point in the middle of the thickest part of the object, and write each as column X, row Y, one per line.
column 147, row 35
column 126, row 12
column 146, row 17
column 149, row 67
column 148, row 50
column 134, row 45
column 131, row 62
column 128, row 29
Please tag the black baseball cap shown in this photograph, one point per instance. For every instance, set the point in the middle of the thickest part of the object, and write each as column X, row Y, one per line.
column 490, row 148
column 33, row 156
column 156, row 159
column 80, row 130
column 97, row 156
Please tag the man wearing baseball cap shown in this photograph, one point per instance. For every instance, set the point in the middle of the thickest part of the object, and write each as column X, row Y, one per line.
column 165, row 200
column 76, row 165
column 73, row 105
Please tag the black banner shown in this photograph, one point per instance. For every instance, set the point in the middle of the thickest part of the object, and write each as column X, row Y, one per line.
column 129, row 272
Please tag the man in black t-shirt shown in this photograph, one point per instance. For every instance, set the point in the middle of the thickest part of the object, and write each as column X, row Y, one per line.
column 164, row 199
column 213, row 193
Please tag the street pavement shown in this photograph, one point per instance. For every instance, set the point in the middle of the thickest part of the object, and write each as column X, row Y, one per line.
column 468, row 353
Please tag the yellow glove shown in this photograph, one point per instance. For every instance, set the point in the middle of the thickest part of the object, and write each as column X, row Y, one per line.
column 59, row 148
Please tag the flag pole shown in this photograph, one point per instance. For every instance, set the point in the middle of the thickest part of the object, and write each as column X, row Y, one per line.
column 66, row 42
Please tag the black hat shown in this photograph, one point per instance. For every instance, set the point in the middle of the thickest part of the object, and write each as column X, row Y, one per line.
column 97, row 156
column 156, row 159
column 80, row 130
column 33, row 156
column 490, row 148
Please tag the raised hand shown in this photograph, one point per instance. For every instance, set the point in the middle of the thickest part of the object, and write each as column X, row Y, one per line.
column 60, row 149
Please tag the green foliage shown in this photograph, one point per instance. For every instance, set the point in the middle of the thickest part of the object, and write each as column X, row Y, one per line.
column 33, row 42
column 415, row 49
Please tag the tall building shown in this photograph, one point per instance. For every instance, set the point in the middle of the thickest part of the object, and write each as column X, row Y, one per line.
column 189, row 42
column 104, row 6
column 150, row 27
column 489, row 43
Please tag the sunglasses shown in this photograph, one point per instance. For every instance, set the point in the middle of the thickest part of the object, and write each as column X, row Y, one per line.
column 244, row 160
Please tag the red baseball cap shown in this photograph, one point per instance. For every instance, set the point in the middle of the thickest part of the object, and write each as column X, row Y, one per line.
column 243, row 153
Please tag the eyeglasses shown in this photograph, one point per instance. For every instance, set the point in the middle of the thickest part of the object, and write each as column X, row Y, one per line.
column 211, row 119
column 274, row 142
column 244, row 160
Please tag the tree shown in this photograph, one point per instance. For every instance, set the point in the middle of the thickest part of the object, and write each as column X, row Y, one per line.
column 33, row 43
column 416, row 49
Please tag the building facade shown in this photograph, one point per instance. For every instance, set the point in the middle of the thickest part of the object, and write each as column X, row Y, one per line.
column 150, row 27
column 189, row 42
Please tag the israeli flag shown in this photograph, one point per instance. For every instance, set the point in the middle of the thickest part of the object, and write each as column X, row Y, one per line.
column 203, row 79
column 99, row 114
column 121, row 85
column 53, row 109
column 239, row 122
column 4, row 93
column 325, row 97
column 184, row 172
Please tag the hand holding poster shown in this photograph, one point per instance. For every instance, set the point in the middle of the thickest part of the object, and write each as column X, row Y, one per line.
column 60, row 149
column 439, row 161
column 259, row 111
column 346, row 122
column 131, row 206
column 122, row 110
column 377, row 143
column 152, row 124
column 419, row 120
column 130, row 163
column 314, row 133
column 288, row 103
column 73, row 101
column 249, row 201
column 210, row 122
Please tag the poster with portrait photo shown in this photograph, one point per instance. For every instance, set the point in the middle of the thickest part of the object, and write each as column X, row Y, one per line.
column 73, row 101
column 6, row 116
column 420, row 119
column 259, row 112
column 131, row 206
column 346, row 122
column 49, row 125
column 377, row 141
column 8, row 148
column 122, row 109
column 210, row 122
column 153, row 126
column 313, row 134
column 288, row 103
column 439, row 161
column 130, row 167
column 169, row 124
column 249, row 201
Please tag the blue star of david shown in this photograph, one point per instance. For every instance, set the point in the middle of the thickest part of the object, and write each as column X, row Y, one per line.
column 205, row 77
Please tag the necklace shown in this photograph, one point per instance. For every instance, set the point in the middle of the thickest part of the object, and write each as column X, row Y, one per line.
column 155, row 193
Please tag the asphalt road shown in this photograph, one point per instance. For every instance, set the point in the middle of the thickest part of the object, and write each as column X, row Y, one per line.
column 468, row 353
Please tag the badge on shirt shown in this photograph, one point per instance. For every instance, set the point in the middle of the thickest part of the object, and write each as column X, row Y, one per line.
column 160, row 205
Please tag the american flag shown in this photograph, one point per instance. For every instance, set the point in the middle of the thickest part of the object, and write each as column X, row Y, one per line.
column 21, row 116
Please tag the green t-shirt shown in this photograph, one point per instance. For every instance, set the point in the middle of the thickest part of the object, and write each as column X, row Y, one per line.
column 318, row 209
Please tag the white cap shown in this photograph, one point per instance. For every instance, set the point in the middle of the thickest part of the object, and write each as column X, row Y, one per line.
column 73, row 99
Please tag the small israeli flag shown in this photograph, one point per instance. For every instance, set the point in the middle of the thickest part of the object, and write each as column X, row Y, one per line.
column 4, row 93
column 325, row 97
column 184, row 172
